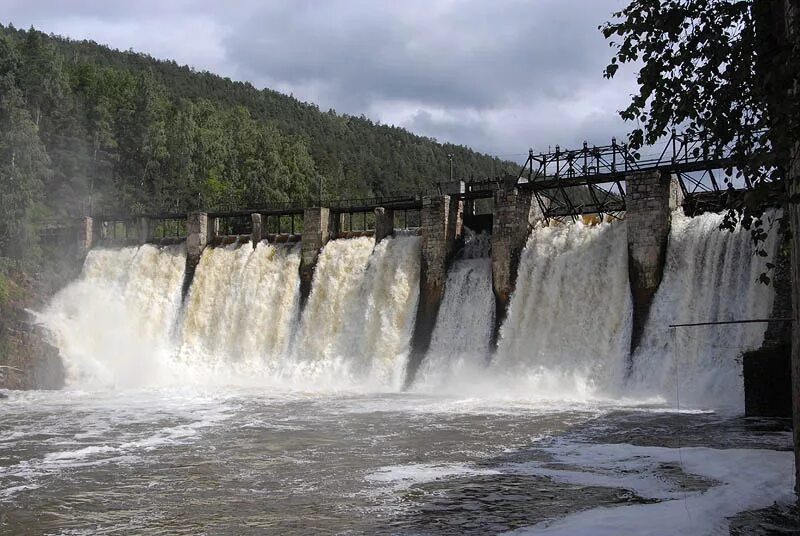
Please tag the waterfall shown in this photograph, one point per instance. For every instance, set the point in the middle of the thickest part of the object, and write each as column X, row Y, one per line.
column 709, row 275
column 476, row 245
column 242, row 307
column 461, row 341
column 460, row 345
column 569, row 320
column 113, row 325
column 566, row 335
column 356, row 327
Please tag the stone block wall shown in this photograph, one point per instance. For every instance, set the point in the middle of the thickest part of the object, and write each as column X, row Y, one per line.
column 196, row 240
column 438, row 242
column 779, row 332
column 650, row 197
column 143, row 230
column 255, row 234
column 316, row 233
column 384, row 223
column 514, row 212
column 434, row 227
column 85, row 236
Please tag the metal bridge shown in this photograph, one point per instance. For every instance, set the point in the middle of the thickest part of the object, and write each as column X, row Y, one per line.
column 590, row 180
column 566, row 184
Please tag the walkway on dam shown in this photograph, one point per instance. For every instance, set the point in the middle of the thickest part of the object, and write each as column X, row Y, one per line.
column 565, row 183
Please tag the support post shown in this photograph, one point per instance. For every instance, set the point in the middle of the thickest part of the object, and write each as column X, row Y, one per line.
column 438, row 243
column 85, row 236
column 212, row 226
column 384, row 223
column 316, row 226
column 649, row 200
column 255, row 235
column 514, row 212
column 196, row 240
column 143, row 228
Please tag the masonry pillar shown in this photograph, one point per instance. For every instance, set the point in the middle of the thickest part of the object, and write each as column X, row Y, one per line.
column 316, row 226
column 455, row 220
column 437, row 248
column 514, row 212
column 255, row 235
column 384, row 223
column 85, row 236
column 143, row 230
column 196, row 240
column 767, row 371
column 650, row 197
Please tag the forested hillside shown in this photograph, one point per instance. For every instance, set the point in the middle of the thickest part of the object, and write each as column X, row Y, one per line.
column 84, row 127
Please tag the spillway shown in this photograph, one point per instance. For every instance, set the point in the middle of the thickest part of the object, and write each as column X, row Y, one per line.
column 356, row 327
column 709, row 275
column 114, row 325
column 566, row 336
column 461, row 342
column 569, row 320
column 242, row 308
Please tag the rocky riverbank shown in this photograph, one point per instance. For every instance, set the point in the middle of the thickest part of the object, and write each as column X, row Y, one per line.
column 27, row 360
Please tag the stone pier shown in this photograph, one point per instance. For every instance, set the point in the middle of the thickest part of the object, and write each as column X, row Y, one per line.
column 438, row 245
column 196, row 240
column 650, row 197
column 514, row 212
column 255, row 235
column 316, row 232
column 767, row 371
column 143, row 230
column 384, row 223
column 85, row 236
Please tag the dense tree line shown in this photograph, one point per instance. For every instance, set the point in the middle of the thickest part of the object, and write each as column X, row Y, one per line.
column 84, row 128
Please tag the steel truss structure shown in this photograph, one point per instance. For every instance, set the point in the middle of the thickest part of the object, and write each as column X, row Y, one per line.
column 568, row 184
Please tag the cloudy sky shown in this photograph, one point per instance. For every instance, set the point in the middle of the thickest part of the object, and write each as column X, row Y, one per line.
column 497, row 75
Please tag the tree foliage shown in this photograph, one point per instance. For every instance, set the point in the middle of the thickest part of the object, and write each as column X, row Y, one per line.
column 719, row 67
column 87, row 128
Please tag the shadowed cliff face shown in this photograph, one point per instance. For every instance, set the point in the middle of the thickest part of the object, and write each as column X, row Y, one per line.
column 27, row 360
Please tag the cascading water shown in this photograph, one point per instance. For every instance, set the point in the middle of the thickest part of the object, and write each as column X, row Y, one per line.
column 568, row 327
column 709, row 275
column 242, row 307
column 461, row 342
column 357, row 324
column 113, row 325
column 566, row 336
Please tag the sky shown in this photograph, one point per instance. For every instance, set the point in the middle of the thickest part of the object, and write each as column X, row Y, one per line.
column 500, row 76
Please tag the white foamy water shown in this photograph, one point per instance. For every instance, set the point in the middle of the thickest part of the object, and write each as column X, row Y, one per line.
column 460, row 345
column 739, row 479
column 356, row 327
column 566, row 336
column 139, row 461
column 242, row 307
column 112, row 326
column 568, row 328
column 710, row 275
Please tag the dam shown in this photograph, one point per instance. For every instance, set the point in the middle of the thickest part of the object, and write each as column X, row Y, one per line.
column 430, row 292
column 489, row 356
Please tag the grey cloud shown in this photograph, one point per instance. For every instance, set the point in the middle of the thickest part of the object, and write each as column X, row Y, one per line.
column 496, row 75
column 466, row 54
